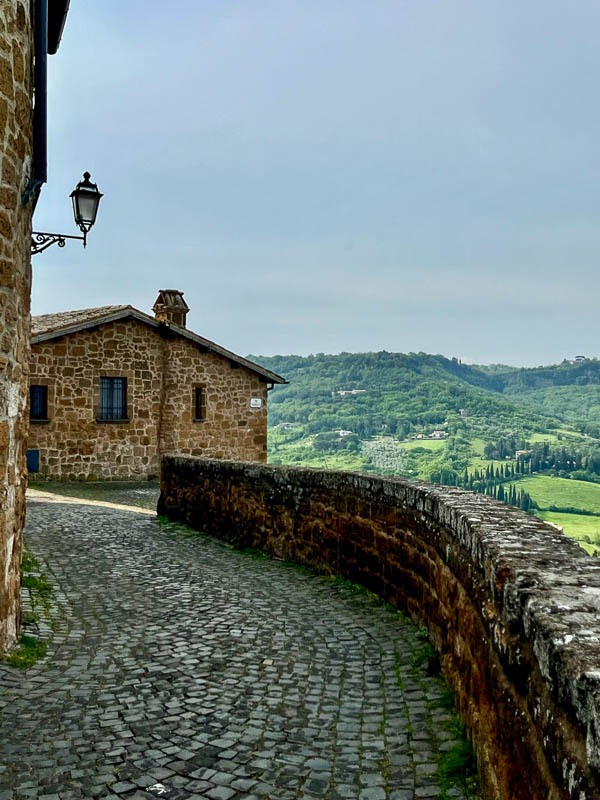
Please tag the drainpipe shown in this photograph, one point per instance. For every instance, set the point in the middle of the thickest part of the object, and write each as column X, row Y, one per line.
column 40, row 82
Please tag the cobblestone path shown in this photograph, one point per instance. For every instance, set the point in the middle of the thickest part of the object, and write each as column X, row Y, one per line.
column 181, row 668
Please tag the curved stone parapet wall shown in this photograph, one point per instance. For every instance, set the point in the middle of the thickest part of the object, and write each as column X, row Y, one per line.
column 512, row 605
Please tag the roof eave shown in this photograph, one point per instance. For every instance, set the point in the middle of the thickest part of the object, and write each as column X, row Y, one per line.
column 57, row 16
column 271, row 377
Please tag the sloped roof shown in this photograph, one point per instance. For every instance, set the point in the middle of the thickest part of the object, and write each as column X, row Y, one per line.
column 51, row 326
column 47, row 323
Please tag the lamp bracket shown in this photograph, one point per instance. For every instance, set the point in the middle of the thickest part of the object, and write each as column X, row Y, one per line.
column 42, row 241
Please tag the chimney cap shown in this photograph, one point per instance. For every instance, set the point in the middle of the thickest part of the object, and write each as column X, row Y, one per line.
column 170, row 298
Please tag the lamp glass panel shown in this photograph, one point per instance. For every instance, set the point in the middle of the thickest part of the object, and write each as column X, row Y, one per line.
column 85, row 207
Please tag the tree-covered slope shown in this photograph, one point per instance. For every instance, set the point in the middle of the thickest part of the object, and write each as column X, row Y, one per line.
column 392, row 393
column 583, row 373
column 515, row 434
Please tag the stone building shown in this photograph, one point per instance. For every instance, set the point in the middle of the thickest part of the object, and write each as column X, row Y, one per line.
column 112, row 389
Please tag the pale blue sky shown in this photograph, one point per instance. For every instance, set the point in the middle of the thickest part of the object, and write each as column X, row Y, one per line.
column 325, row 176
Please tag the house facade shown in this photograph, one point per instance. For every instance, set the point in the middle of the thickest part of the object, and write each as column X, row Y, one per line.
column 112, row 389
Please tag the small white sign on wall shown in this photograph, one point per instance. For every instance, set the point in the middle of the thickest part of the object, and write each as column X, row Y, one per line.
column 255, row 402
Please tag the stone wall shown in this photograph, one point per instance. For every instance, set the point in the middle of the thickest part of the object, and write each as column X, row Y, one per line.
column 15, row 283
column 231, row 428
column 512, row 605
column 162, row 371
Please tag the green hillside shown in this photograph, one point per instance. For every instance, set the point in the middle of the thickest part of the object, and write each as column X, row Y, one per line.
column 578, row 404
column 434, row 418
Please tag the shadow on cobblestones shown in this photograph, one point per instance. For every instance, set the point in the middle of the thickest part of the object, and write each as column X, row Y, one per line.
column 180, row 668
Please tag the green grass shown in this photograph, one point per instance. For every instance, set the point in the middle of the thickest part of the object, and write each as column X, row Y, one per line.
column 350, row 587
column 40, row 589
column 561, row 492
column 446, row 699
column 424, row 652
column 252, row 552
column 28, row 651
column 480, row 463
column 38, row 584
column 477, row 446
column 302, row 454
column 342, row 460
column 457, row 768
column 584, row 529
column 178, row 528
column 426, row 444
column 551, row 438
column 28, row 562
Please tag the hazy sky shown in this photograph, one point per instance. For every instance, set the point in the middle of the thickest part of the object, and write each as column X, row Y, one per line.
column 325, row 176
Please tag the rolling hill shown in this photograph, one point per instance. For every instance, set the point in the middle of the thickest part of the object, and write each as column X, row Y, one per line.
column 435, row 418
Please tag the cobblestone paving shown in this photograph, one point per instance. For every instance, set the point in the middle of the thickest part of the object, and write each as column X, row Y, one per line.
column 144, row 494
column 180, row 668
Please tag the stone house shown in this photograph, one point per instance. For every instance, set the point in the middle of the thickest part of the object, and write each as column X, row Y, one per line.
column 112, row 389
column 28, row 32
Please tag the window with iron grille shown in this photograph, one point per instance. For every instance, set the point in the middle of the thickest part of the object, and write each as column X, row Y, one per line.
column 38, row 402
column 199, row 403
column 113, row 398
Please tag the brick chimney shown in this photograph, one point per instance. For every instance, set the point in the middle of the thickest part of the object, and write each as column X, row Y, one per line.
column 171, row 307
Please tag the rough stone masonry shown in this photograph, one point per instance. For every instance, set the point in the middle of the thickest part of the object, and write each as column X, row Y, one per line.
column 512, row 604
column 180, row 393
column 15, row 281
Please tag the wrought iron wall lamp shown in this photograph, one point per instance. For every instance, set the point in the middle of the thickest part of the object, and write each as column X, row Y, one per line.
column 86, row 199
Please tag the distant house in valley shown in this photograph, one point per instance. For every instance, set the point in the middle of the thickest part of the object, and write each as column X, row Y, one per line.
column 438, row 435
column 112, row 389
column 344, row 392
column 519, row 453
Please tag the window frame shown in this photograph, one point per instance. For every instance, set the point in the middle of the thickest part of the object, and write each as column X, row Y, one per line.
column 43, row 417
column 124, row 407
column 199, row 402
